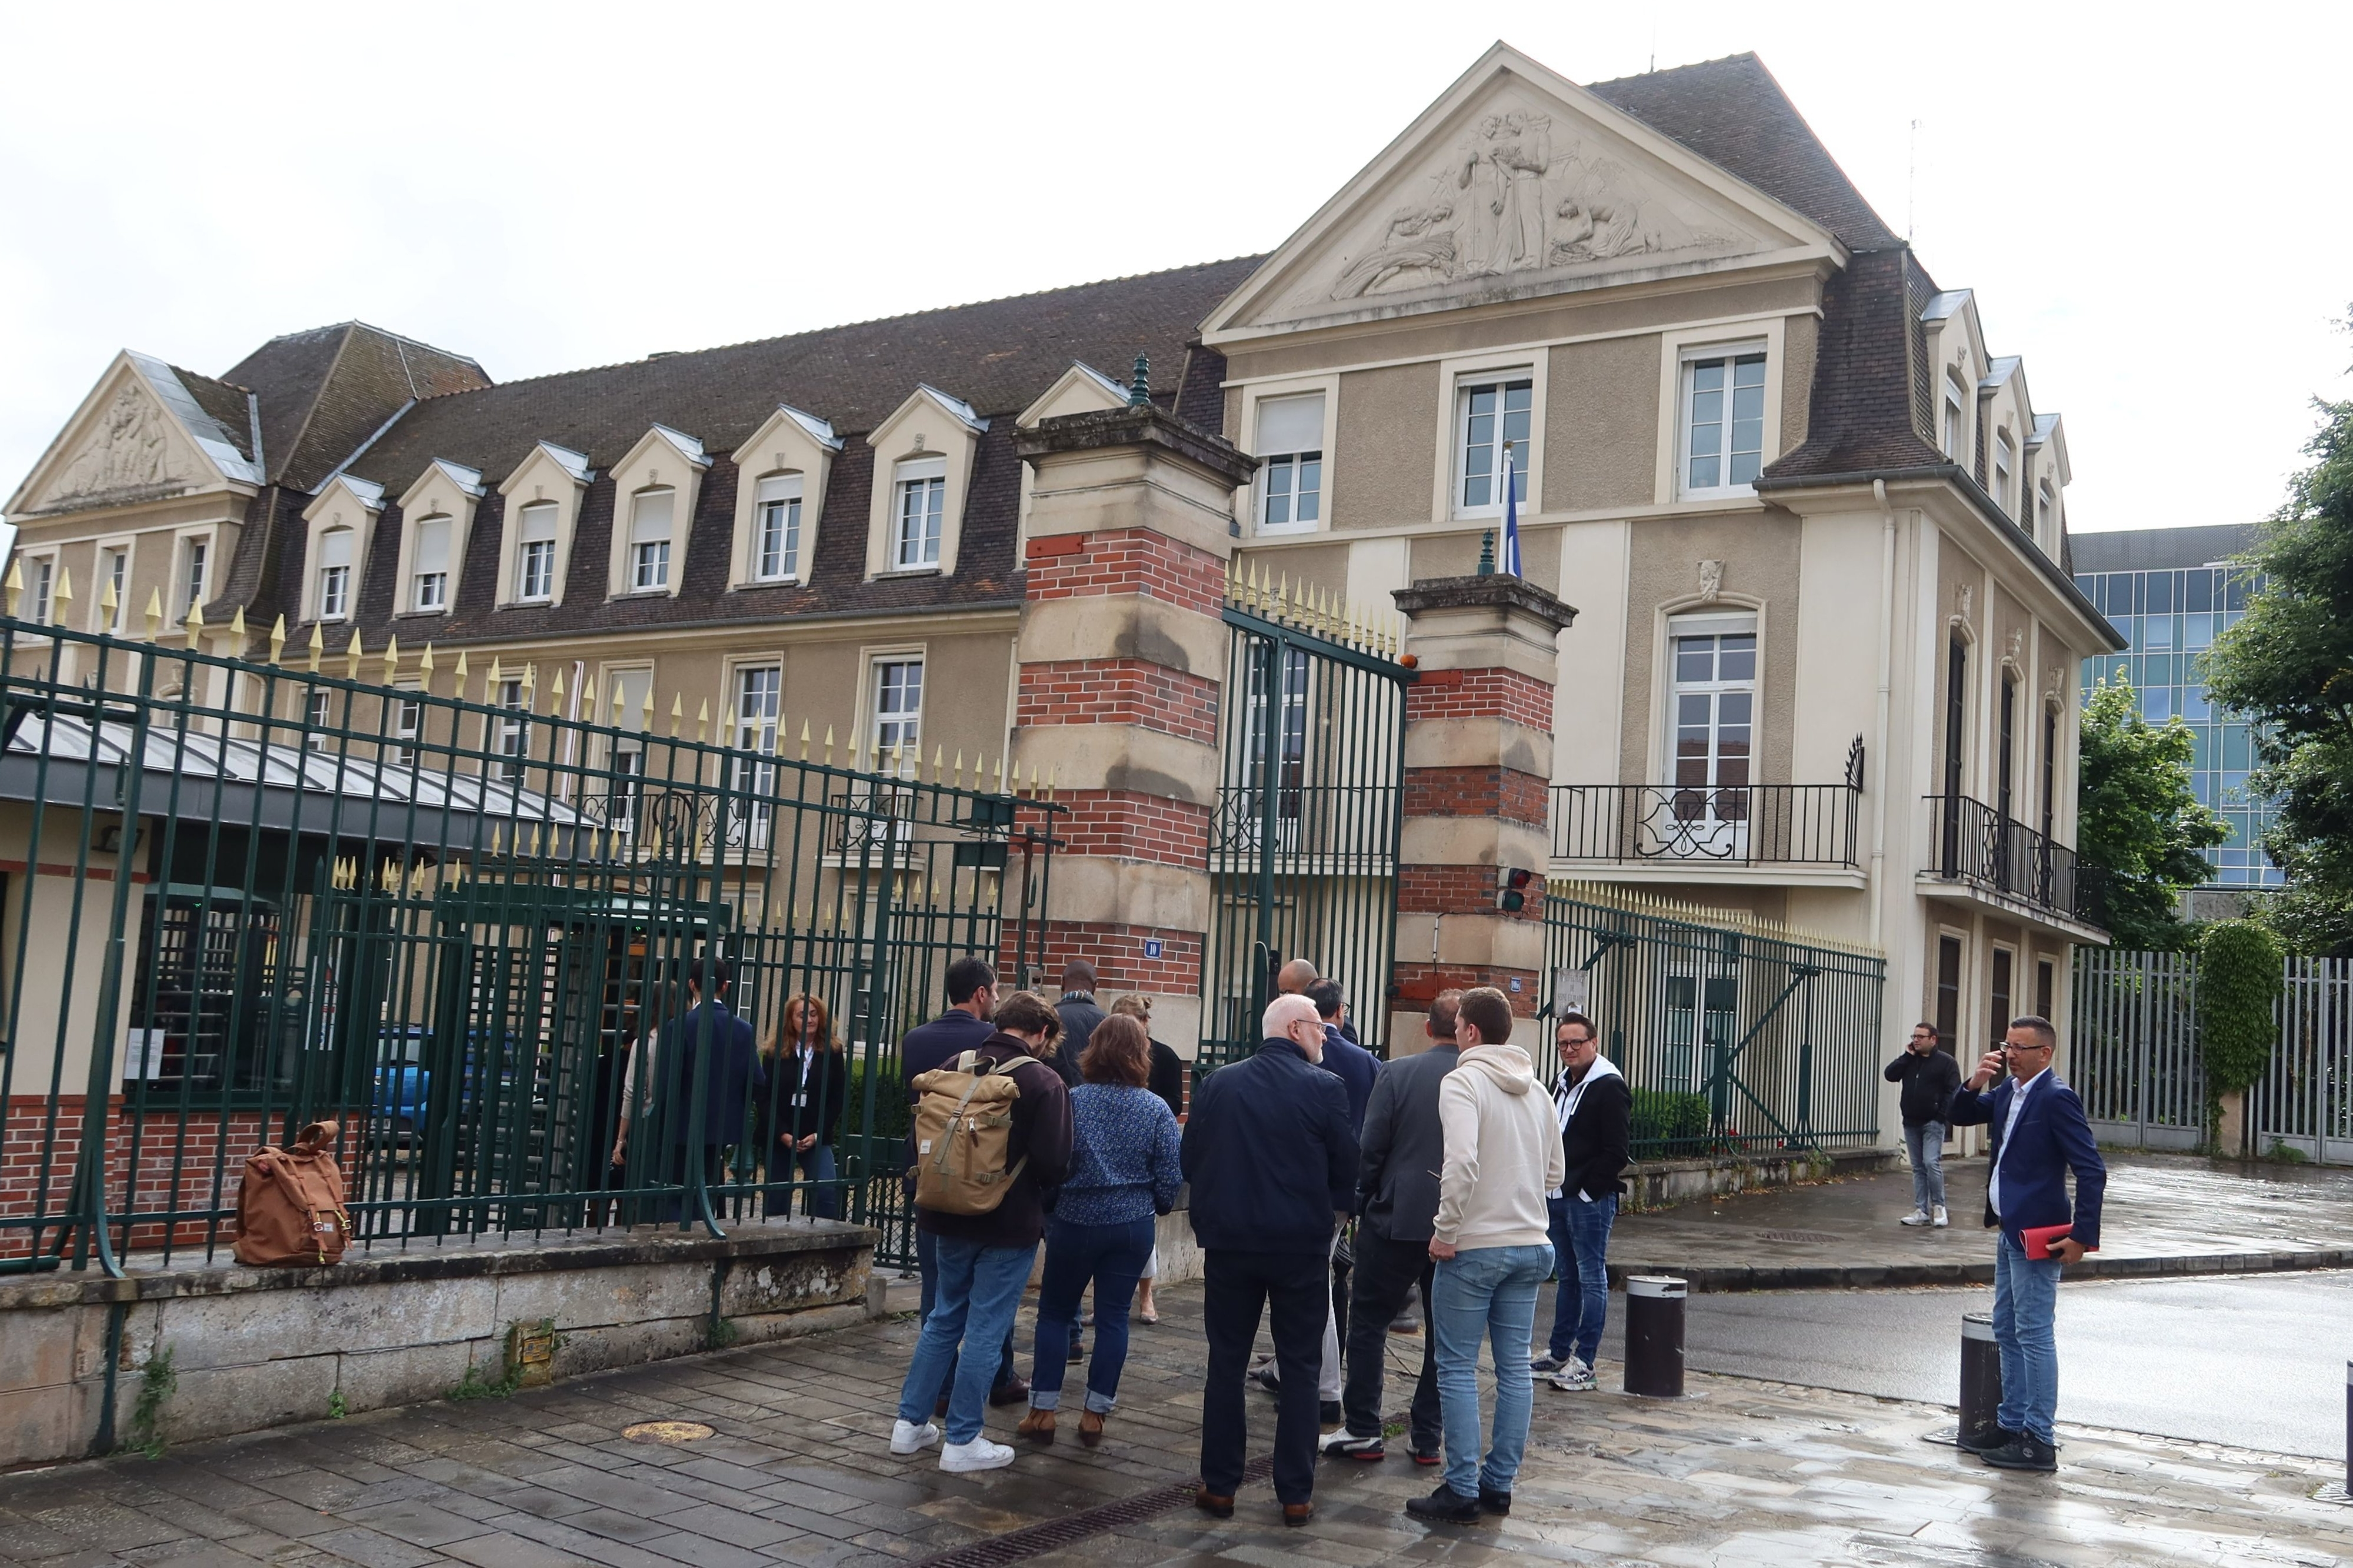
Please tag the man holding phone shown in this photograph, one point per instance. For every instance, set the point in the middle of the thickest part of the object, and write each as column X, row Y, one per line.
column 2040, row 1133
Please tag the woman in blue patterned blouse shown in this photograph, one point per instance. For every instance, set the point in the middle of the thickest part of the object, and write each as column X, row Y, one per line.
column 1122, row 1173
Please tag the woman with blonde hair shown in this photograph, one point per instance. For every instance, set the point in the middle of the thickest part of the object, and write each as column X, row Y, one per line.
column 808, row 1084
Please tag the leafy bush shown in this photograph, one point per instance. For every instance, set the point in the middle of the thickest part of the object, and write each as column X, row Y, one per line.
column 2239, row 980
column 891, row 1118
column 1669, row 1116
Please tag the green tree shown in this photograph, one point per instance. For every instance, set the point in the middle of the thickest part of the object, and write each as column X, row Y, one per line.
column 2287, row 668
column 2238, row 983
column 2138, row 819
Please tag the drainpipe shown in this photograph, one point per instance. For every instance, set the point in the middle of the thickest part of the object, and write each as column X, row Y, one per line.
column 1886, row 682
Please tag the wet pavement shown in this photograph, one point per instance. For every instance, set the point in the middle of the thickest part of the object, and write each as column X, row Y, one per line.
column 796, row 1470
column 2163, row 1214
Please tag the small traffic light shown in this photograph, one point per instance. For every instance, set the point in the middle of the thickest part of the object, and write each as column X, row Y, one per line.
column 1511, row 889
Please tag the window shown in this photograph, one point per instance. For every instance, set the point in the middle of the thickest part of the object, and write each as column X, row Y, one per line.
column 1291, row 475
column 1952, row 429
column 43, row 581
column 513, row 743
column 1948, row 994
column 335, row 575
column 649, row 526
column 192, row 577
column 1714, row 701
column 2042, row 988
column 535, row 558
column 408, row 723
column 2003, row 1008
column 898, row 711
column 777, row 528
column 2043, row 513
column 759, row 695
column 318, row 712
column 1702, row 1014
column 1490, row 415
column 627, row 788
column 1287, row 728
column 114, row 569
column 2004, row 460
column 431, row 565
column 2049, row 773
column 1724, row 423
column 1957, row 702
column 922, row 495
column 2002, row 785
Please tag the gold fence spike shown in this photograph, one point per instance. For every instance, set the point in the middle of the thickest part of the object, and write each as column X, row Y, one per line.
column 351, row 656
column 154, row 616
column 1052, row 774
column 557, row 688
column 236, row 622
column 702, row 721
column 530, row 679
column 277, row 639
column 939, row 762
column 588, row 696
column 107, row 604
column 677, row 712
column 805, row 739
column 828, row 746
column 194, row 623
column 318, row 648
column 620, row 702
column 461, row 675
column 63, row 593
column 958, row 776
column 646, row 709
column 424, row 663
column 14, row 585
column 1000, row 775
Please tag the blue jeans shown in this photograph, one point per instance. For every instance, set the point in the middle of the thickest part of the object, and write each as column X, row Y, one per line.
column 1486, row 1292
column 1113, row 1258
column 1581, row 1244
column 1925, row 1146
column 979, row 1289
column 2025, row 1301
column 816, row 1165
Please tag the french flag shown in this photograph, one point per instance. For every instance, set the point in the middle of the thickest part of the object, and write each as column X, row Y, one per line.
column 1510, row 564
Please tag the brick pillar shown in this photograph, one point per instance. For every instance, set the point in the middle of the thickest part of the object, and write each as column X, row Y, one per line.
column 1123, row 660
column 1478, row 784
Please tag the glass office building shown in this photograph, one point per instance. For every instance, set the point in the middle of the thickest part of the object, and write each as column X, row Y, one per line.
column 2168, row 592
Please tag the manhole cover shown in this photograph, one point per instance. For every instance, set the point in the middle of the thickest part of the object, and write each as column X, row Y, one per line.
column 668, row 1432
column 1800, row 1236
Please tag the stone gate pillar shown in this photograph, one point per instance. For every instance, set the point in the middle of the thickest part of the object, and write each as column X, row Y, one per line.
column 1478, row 787
column 1122, row 659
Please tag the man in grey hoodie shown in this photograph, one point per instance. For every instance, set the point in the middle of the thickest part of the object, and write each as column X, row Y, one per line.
column 1503, row 1154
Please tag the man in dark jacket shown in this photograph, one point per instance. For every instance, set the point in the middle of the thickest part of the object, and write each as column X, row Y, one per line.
column 1080, row 1015
column 2040, row 1134
column 1343, row 1057
column 1929, row 1076
column 983, row 1260
column 1397, row 1200
column 972, row 1001
column 717, row 1073
column 1596, row 1111
column 1272, row 1164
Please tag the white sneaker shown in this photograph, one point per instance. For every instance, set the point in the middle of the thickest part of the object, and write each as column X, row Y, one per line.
column 1917, row 1216
column 1573, row 1377
column 1939, row 1222
column 980, row 1454
column 906, row 1437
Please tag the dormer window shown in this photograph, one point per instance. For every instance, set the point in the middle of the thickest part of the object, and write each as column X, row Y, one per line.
column 650, row 533
column 777, row 528
column 430, row 579
column 2005, row 460
column 335, row 575
column 2042, row 512
column 920, row 487
column 1952, row 427
column 535, row 553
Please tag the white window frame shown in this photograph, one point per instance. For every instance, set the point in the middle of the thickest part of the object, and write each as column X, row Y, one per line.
column 621, row 799
column 332, row 584
column 40, row 588
column 1705, row 819
column 879, row 727
column 754, row 727
column 2005, row 471
column 780, row 513
column 113, row 564
column 546, row 475
column 1955, row 430
column 1290, row 463
column 407, row 728
column 648, row 561
column 2045, row 497
column 318, row 714
column 913, row 477
column 1733, row 357
column 512, row 735
column 1499, row 381
column 420, row 579
column 536, row 552
column 192, row 562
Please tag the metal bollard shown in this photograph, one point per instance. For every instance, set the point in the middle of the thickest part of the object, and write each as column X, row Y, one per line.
column 1654, row 1335
column 1980, row 1375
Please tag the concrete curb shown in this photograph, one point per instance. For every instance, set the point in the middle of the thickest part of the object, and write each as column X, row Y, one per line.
column 1867, row 1277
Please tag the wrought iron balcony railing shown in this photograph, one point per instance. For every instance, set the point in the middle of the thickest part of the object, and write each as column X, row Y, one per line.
column 1969, row 841
column 1751, row 824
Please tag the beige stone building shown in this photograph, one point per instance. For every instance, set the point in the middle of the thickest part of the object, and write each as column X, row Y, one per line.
column 1814, row 526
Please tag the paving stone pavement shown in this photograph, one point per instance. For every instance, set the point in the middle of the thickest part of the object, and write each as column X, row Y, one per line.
column 798, row 1472
column 2164, row 1213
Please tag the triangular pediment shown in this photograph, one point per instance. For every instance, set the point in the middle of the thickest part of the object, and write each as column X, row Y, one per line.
column 1515, row 184
column 138, row 436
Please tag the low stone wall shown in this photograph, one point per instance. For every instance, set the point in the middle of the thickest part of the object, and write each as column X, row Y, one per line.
column 249, row 1348
column 1662, row 1183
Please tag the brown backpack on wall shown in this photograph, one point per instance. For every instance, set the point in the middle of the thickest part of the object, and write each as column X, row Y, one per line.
column 289, row 1208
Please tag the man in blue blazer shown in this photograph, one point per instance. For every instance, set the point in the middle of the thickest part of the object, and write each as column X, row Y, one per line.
column 2039, row 1135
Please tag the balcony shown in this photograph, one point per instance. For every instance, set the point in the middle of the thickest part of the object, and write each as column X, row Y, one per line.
column 1690, row 831
column 1973, row 846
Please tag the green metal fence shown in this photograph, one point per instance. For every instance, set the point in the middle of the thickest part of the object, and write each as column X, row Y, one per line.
column 456, row 911
column 1734, row 1036
column 1303, row 850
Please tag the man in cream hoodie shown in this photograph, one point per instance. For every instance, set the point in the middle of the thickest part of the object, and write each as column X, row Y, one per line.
column 1491, row 1252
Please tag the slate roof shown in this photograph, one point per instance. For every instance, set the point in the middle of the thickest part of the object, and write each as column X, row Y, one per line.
column 1733, row 114
column 324, row 391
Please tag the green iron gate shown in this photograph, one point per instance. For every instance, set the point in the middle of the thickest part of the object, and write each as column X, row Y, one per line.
column 1302, row 850
column 253, row 895
column 1734, row 1036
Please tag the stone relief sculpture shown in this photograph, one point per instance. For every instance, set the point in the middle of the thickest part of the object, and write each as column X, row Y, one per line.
column 1514, row 197
column 129, row 449
column 1711, row 582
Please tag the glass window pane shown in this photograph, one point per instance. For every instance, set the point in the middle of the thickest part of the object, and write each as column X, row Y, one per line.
column 2200, row 587
column 1739, row 661
column 2160, row 591
column 1310, row 486
column 1695, row 658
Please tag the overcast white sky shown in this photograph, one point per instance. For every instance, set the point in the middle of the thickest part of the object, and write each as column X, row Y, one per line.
column 2142, row 195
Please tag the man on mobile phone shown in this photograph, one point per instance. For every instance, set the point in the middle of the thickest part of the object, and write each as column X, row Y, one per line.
column 2040, row 1133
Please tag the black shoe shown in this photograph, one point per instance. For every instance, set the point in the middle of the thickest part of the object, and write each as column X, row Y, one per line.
column 1265, row 1378
column 1445, row 1504
column 1493, row 1501
column 1077, row 1349
column 1433, row 1455
column 2027, row 1453
column 1345, row 1445
column 1328, row 1412
column 1986, row 1438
